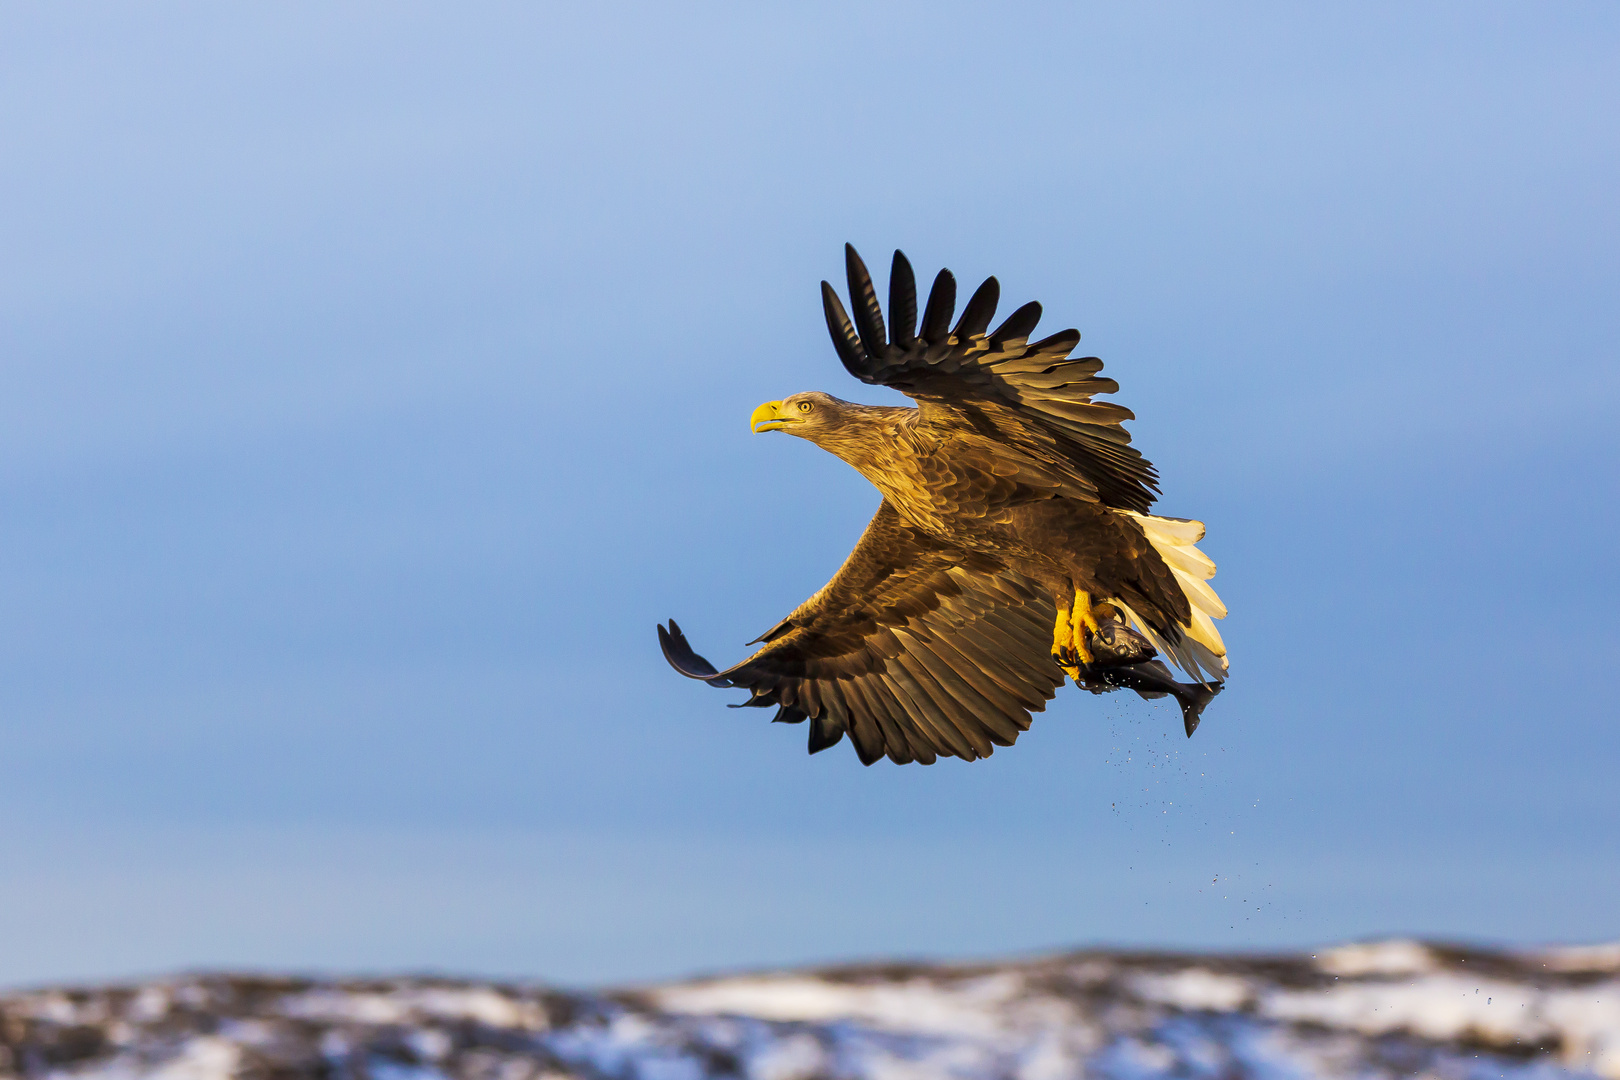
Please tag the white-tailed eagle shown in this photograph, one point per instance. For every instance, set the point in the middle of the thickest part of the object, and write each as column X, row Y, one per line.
column 1013, row 544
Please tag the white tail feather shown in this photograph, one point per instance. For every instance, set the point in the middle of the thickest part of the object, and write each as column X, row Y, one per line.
column 1203, row 631
column 1215, row 665
column 1174, row 531
column 1200, row 594
column 1201, row 648
column 1189, row 560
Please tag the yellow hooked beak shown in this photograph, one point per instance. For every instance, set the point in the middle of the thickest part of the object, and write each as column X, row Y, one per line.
column 770, row 417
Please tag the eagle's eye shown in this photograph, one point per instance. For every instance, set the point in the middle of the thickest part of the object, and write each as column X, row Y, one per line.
column 805, row 406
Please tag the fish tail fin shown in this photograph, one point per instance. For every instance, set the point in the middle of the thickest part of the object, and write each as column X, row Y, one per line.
column 1192, row 698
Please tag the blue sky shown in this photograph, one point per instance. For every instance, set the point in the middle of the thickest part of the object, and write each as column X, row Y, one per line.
column 377, row 375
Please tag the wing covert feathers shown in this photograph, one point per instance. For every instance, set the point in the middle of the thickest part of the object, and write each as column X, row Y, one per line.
column 1037, row 398
column 914, row 650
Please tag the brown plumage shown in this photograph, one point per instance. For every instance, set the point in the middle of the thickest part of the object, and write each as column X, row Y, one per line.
column 1009, row 496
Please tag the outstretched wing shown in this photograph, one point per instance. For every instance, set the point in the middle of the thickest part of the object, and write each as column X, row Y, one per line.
column 1032, row 395
column 916, row 649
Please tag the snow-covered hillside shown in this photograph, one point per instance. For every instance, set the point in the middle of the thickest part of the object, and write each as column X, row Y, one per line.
column 1393, row 1008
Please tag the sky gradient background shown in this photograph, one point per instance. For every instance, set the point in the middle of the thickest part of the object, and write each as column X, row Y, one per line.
column 375, row 376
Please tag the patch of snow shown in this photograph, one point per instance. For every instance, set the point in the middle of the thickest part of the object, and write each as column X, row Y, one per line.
column 54, row 1007
column 918, row 1005
column 795, row 1057
column 151, row 1003
column 1584, row 1021
column 1051, row 1058
column 1582, row 959
column 1434, row 1007
column 1195, row 988
column 1395, row 957
column 481, row 1004
column 430, row 1044
column 206, row 1057
column 250, row 1032
column 335, row 1005
column 1588, row 1022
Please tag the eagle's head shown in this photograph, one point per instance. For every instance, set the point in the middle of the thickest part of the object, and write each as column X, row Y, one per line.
column 811, row 415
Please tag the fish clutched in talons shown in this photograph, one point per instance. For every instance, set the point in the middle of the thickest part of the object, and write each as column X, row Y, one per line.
column 1112, row 643
column 1087, row 636
column 1100, row 653
column 1152, row 680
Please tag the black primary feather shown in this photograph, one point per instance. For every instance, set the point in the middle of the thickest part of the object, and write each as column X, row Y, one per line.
column 845, row 340
column 683, row 659
column 1018, row 324
column 863, row 303
column 981, row 308
column 825, row 732
column 902, row 301
column 936, row 322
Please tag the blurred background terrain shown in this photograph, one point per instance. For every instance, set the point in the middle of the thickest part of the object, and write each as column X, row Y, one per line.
column 1374, row 1009
column 375, row 376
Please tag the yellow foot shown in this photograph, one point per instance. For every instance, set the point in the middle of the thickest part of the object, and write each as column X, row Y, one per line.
column 1063, row 644
column 1081, row 623
column 1069, row 635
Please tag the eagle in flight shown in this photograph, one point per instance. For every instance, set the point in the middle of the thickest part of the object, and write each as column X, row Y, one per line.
column 1013, row 545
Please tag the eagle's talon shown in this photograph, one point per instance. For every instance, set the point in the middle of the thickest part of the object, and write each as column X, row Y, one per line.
column 1069, row 650
column 1062, row 636
column 1082, row 623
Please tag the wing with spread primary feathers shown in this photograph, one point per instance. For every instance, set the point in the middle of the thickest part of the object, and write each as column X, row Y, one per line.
column 1034, row 396
column 916, row 649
